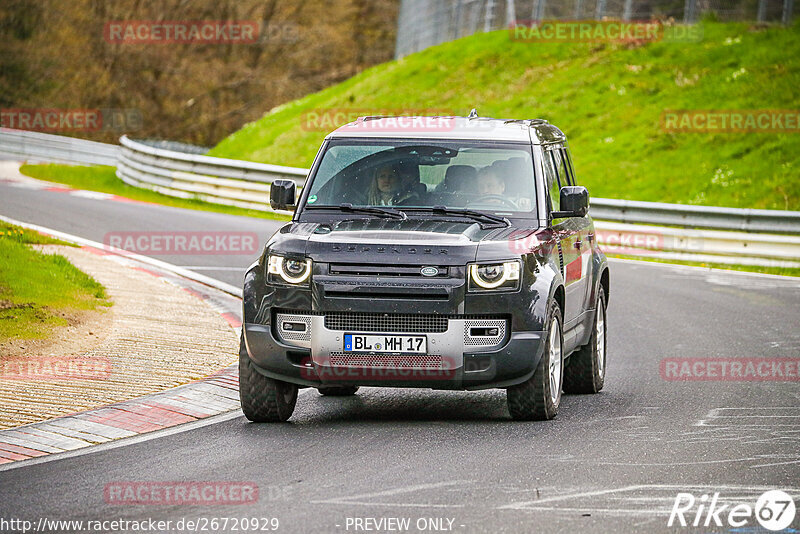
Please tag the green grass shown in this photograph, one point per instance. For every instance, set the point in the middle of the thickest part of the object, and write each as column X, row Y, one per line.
column 37, row 289
column 103, row 179
column 28, row 237
column 608, row 99
column 783, row 271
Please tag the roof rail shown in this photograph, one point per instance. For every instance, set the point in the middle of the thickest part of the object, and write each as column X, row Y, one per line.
column 527, row 122
column 366, row 118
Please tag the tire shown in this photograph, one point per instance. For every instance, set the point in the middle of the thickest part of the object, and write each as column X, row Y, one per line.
column 536, row 399
column 264, row 400
column 586, row 368
column 337, row 391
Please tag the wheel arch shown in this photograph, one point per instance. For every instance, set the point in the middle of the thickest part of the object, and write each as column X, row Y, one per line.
column 559, row 295
column 604, row 282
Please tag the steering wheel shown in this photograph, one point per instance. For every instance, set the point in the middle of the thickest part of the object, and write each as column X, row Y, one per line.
column 493, row 199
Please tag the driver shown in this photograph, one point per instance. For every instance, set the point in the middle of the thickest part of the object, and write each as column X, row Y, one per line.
column 389, row 187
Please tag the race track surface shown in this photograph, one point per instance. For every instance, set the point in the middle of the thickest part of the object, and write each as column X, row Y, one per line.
column 612, row 462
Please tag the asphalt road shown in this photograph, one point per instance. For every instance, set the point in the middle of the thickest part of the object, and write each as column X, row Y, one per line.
column 612, row 462
column 102, row 220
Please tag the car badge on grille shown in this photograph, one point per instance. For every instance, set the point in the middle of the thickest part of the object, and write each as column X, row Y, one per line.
column 429, row 271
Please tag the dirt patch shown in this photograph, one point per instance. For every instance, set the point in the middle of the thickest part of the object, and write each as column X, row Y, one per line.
column 85, row 330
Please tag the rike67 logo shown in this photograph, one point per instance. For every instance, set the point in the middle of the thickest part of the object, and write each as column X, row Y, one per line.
column 774, row 510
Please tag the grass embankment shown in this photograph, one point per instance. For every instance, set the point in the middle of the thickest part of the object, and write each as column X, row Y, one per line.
column 608, row 99
column 103, row 179
column 39, row 291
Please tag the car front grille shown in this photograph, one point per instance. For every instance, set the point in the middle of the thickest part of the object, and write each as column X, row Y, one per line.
column 386, row 323
column 385, row 271
column 388, row 361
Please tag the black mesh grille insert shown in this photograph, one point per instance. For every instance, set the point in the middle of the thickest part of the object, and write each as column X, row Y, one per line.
column 376, row 322
column 353, row 269
column 389, row 361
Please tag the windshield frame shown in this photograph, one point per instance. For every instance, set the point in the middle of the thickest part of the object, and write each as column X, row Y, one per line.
column 303, row 215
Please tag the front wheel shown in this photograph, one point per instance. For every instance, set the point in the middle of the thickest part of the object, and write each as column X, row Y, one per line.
column 264, row 400
column 586, row 368
column 538, row 397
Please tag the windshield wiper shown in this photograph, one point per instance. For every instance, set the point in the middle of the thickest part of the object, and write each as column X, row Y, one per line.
column 381, row 212
column 480, row 216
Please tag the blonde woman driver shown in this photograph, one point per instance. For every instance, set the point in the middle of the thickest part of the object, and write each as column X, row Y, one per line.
column 388, row 188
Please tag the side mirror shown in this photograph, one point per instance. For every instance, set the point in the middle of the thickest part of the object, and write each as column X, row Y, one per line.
column 282, row 194
column 574, row 202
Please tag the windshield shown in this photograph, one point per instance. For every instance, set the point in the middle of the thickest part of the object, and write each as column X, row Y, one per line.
column 487, row 176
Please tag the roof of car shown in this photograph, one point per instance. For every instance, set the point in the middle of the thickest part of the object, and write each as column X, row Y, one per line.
column 538, row 131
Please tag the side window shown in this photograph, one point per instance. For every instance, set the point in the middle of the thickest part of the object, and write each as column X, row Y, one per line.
column 561, row 166
column 551, row 178
column 573, row 180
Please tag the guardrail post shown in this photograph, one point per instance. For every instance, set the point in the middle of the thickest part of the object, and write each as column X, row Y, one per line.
column 511, row 13
column 689, row 11
column 578, row 9
column 488, row 16
column 627, row 10
column 600, row 12
column 538, row 10
column 787, row 11
column 761, row 15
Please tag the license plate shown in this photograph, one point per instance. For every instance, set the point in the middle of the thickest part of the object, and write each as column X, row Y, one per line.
column 385, row 343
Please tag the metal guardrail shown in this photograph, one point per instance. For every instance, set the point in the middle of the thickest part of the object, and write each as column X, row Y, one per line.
column 223, row 181
column 712, row 246
column 713, row 217
column 623, row 226
column 246, row 184
column 56, row 148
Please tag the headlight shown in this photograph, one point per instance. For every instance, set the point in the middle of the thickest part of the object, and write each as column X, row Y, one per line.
column 494, row 275
column 292, row 271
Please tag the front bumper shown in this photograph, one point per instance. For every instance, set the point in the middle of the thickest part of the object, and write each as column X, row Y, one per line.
column 456, row 358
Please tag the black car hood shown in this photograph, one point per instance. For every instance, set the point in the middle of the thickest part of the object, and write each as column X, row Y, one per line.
column 414, row 241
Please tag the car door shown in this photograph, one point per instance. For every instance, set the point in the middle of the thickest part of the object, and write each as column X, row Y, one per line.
column 575, row 246
column 560, row 226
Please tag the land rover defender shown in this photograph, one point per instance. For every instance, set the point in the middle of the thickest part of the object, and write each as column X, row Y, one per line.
column 429, row 252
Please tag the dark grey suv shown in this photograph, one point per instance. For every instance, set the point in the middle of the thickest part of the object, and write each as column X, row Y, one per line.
column 429, row 252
